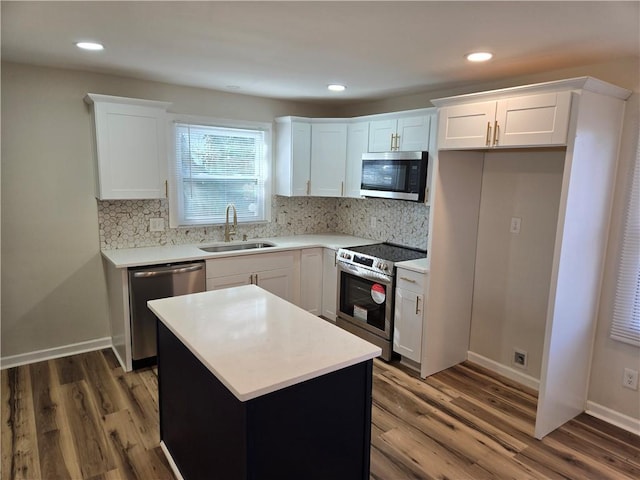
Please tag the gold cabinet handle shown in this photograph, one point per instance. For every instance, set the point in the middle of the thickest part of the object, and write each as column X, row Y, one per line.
column 393, row 136
column 495, row 134
column 342, row 189
column 166, row 189
column 397, row 141
column 410, row 280
column 335, row 258
column 308, row 187
column 488, row 133
column 417, row 305
column 256, row 277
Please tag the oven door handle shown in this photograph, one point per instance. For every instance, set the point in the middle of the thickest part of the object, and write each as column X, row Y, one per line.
column 364, row 273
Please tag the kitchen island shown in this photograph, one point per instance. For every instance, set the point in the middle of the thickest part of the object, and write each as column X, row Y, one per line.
column 253, row 387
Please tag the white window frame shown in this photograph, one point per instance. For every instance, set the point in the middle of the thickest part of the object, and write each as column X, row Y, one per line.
column 176, row 207
column 625, row 325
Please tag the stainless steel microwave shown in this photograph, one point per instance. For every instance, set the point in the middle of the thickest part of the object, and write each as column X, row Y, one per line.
column 396, row 175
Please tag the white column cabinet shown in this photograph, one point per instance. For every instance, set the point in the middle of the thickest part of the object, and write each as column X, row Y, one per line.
column 409, row 314
column 399, row 134
column 328, row 159
column 311, row 264
column 329, row 284
column 588, row 172
column 293, row 156
column 519, row 121
column 130, row 147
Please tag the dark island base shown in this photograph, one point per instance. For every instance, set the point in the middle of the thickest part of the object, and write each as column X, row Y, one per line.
column 318, row 429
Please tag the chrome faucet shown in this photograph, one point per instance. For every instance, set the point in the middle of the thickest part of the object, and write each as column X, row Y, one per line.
column 229, row 232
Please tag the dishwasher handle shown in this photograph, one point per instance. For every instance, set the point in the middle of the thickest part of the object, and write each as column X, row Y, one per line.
column 169, row 271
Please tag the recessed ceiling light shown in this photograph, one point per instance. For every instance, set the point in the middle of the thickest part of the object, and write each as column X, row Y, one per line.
column 479, row 56
column 334, row 87
column 90, row 46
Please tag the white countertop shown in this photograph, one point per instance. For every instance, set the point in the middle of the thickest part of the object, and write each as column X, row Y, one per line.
column 421, row 265
column 135, row 257
column 255, row 342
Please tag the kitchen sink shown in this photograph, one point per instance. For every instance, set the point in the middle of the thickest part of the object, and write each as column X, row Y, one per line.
column 236, row 246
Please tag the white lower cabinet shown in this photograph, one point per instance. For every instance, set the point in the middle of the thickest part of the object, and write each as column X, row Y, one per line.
column 329, row 284
column 409, row 314
column 311, row 280
column 275, row 272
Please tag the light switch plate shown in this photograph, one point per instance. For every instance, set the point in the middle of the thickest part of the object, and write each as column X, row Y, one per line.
column 514, row 227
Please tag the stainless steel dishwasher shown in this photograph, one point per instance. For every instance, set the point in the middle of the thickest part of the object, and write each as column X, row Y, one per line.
column 151, row 283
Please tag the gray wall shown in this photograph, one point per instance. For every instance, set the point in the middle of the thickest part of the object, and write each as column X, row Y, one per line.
column 53, row 289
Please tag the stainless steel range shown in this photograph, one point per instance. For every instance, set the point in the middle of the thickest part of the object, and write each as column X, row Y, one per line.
column 366, row 290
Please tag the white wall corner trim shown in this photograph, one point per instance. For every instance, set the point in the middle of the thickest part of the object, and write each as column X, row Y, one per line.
column 618, row 419
column 57, row 352
column 505, row 371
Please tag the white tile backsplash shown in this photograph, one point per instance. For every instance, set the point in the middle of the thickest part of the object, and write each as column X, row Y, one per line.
column 125, row 223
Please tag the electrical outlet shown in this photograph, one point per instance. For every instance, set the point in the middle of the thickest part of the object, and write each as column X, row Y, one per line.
column 630, row 379
column 514, row 227
column 282, row 218
column 519, row 358
column 374, row 222
column 156, row 225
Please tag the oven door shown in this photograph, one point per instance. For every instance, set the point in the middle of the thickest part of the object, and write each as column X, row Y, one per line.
column 365, row 299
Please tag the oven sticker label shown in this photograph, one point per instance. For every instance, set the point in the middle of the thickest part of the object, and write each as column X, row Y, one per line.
column 360, row 313
column 378, row 293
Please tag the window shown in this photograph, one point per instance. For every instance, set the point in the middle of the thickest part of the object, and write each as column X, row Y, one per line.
column 626, row 311
column 218, row 165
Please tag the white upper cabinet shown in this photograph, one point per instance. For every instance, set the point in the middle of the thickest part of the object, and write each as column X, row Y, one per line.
column 328, row 159
column 531, row 120
column 399, row 134
column 293, row 156
column 357, row 144
column 130, row 147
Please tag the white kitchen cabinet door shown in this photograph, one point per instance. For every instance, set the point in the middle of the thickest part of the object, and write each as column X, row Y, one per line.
column 408, row 320
column 466, row 126
column 228, row 281
column 311, row 280
column 413, row 134
column 293, row 157
column 357, row 144
column 381, row 135
column 328, row 159
column 533, row 120
column 329, row 284
column 279, row 282
column 130, row 147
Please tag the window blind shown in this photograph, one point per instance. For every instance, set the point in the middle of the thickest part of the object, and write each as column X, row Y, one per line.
column 216, row 166
column 625, row 326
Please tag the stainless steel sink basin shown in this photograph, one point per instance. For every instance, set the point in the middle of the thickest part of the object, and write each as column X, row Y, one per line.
column 236, row 246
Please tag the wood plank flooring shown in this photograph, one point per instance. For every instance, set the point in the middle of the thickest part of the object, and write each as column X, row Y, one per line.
column 82, row 417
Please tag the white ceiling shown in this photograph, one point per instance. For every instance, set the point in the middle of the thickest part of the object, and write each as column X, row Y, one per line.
column 293, row 50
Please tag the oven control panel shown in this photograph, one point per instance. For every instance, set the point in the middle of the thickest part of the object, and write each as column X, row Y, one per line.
column 368, row 261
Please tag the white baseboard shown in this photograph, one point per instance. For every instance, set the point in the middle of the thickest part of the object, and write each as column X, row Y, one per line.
column 172, row 464
column 57, row 352
column 618, row 419
column 505, row 371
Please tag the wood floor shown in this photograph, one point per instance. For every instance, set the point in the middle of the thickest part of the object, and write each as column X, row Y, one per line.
column 82, row 417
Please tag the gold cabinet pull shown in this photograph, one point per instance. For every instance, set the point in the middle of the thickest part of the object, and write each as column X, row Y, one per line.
column 495, row 134
column 342, row 189
column 397, row 141
column 393, row 136
column 488, row 133
column 417, row 305
column 410, row 280
column 166, row 189
column 308, row 187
